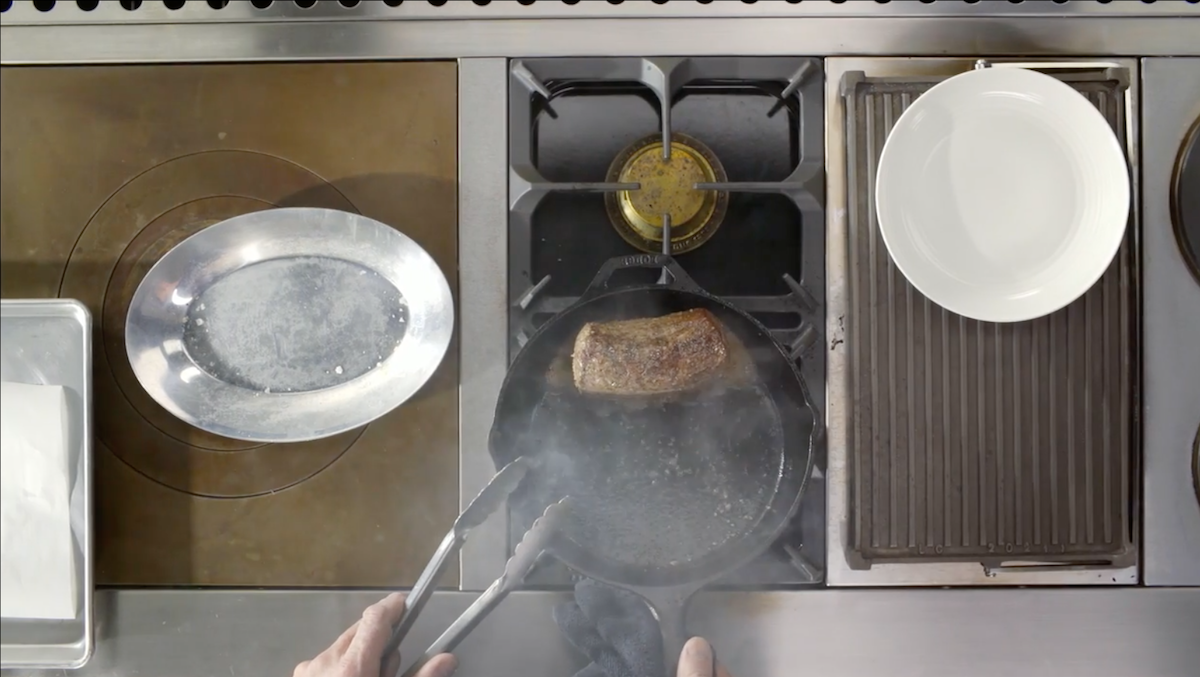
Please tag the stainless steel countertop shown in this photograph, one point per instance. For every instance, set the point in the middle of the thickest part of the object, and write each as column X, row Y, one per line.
column 918, row 631
column 831, row 633
column 416, row 30
column 1171, row 518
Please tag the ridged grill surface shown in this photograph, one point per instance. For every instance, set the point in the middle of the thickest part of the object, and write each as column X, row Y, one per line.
column 978, row 441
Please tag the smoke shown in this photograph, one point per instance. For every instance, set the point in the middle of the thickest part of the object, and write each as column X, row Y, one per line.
column 660, row 481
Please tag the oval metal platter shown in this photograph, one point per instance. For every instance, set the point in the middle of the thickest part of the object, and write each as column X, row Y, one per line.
column 289, row 324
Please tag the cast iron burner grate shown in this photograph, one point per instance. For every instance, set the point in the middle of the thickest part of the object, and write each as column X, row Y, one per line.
column 763, row 119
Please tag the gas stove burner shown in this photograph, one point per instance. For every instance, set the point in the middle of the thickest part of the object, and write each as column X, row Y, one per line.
column 1185, row 199
column 761, row 122
column 667, row 188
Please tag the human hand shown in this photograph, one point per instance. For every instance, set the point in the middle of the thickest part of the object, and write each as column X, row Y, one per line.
column 359, row 651
column 698, row 660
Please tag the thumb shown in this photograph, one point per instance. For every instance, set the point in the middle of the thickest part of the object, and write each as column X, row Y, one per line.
column 697, row 659
column 442, row 665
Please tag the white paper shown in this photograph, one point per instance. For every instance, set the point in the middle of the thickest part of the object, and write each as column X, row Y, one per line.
column 37, row 561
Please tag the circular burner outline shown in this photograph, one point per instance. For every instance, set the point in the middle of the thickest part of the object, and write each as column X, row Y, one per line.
column 1189, row 150
column 117, row 358
column 197, row 462
column 694, row 237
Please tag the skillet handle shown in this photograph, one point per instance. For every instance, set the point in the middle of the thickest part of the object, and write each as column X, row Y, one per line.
column 677, row 278
column 670, row 607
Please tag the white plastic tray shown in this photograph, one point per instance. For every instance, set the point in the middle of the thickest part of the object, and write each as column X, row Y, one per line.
column 48, row 342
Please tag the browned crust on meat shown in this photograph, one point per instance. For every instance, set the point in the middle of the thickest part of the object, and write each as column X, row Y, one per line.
column 649, row 356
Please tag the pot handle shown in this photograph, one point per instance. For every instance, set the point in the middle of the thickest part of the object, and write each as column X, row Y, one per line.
column 677, row 279
column 670, row 608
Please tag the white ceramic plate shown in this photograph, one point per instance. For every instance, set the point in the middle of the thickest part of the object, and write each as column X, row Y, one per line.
column 1002, row 194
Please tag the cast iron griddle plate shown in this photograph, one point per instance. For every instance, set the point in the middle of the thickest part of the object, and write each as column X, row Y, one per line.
column 974, row 441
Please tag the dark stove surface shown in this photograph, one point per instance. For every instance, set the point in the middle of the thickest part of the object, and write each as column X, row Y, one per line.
column 760, row 237
column 1186, row 199
column 762, row 118
column 143, row 157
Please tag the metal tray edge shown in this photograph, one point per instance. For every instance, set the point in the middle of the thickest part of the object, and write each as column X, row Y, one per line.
column 79, row 313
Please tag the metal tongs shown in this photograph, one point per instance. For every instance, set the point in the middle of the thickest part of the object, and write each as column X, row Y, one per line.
column 525, row 555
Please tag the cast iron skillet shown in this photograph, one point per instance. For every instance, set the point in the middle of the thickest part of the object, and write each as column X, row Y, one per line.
column 665, row 494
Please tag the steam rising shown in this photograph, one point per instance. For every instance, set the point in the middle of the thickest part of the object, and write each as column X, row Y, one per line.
column 658, row 483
